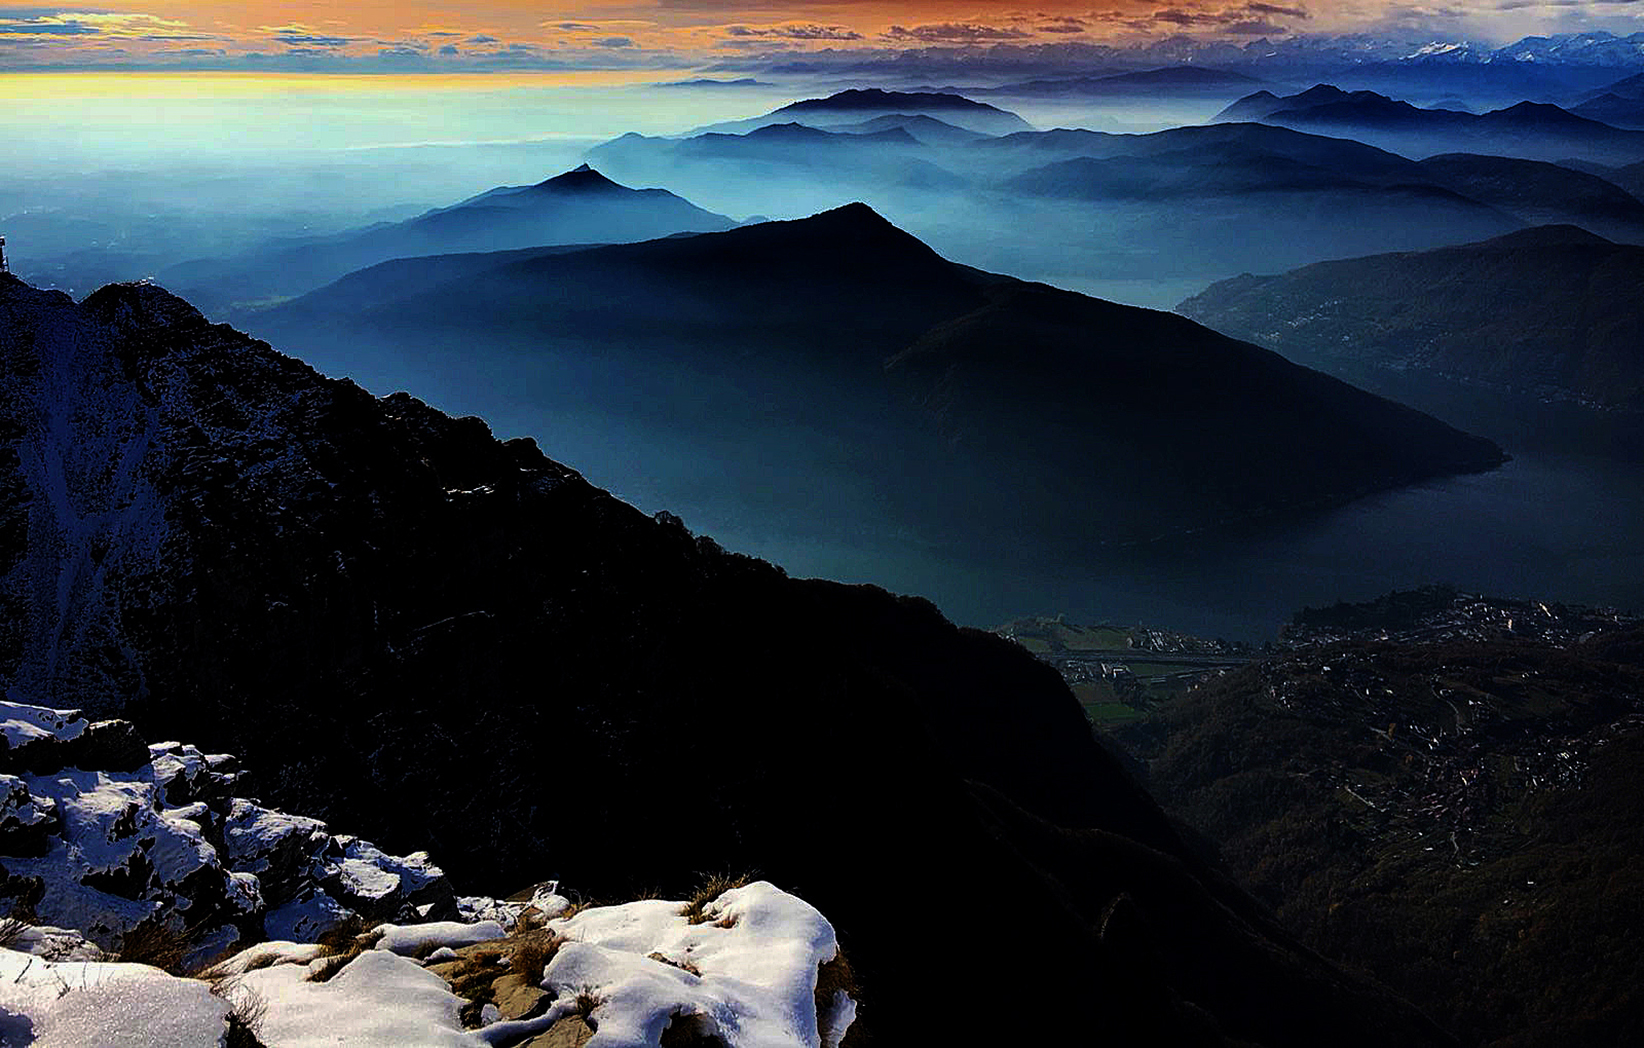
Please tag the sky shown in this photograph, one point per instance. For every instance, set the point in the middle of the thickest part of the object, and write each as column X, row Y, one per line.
column 457, row 35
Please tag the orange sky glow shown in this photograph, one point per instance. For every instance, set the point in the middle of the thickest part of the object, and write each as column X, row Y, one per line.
column 594, row 34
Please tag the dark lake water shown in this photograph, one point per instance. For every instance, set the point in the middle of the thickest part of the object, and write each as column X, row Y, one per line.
column 1553, row 527
column 1550, row 524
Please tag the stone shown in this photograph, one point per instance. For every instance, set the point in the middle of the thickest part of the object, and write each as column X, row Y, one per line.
column 517, row 998
column 569, row 1032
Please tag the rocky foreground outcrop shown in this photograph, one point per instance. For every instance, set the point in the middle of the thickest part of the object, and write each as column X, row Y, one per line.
column 150, row 867
column 103, row 834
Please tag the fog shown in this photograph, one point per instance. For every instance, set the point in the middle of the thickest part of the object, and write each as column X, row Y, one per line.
column 127, row 184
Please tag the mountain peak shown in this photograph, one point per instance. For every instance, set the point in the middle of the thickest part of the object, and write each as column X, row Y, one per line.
column 581, row 179
column 141, row 305
column 1561, row 235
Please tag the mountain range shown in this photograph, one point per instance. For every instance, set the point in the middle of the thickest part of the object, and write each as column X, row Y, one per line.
column 1533, row 130
column 858, row 104
column 577, row 207
column 1183, row 207
column 457, row 640
column 840, row 350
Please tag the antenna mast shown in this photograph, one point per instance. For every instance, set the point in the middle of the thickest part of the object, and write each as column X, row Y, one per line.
column 3, row 268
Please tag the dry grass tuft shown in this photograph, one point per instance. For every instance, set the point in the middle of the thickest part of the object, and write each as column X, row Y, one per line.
column 12, row 929
column 531, row 953
column 831, row 978
column 154, row 943
column 689, row 1031
column 267, row 960
column 345, row 934
column 713, row 886
column 684, row 966
column 422, row 950
column 573, row 909
column 342, row 944
column 587, row 1000
column 245, row 1020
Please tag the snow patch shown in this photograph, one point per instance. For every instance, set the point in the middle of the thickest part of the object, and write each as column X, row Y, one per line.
column 748, row 974
column 50, row 1004
column 406, row 939
column 378, row 1000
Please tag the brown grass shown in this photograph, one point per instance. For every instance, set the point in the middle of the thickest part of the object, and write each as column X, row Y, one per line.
column 154, row 943
column 531, row 953
column 588, row 1000
column 245, row 1020
column 474, row 974
column 688, row 1031
column 832, row 977
column 684, row 966
column 342, row 936
column 573, row 909
column 12, row 929
column 713, row 886
column 342, row 944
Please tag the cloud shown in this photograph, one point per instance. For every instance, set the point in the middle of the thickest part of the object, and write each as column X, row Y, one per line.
column 48, row 29
column 483, row 39
column 310, row 40
column 576, row 27
column 449, row 50
column 1275, row 9
column 614, row 41
column 955, row 33
column 796, row 32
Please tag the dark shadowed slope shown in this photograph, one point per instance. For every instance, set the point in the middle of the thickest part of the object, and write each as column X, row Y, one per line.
column 578, row 207
column 1552, row 310
column 1614, row 110
column 776, row 338
column 1444, row 790
column 459, row 642
column 1541, row 193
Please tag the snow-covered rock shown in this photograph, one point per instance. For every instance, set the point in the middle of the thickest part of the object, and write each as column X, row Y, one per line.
column 104, row 849
column 747, row 974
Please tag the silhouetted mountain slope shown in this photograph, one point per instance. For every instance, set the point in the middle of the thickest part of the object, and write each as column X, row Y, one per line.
column 1480, row 192
column 1262, row 104
column 578, row 207
column 884, row 157
column 1541, row 193
column 457, row 641
column 927, row 130
column 1342, row 156
column 859, row 104
column 763, row 331
column 1614, row 110
column 1528, row 129
column 1629, row 177
column 1452, row 800
column 1552, row 310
